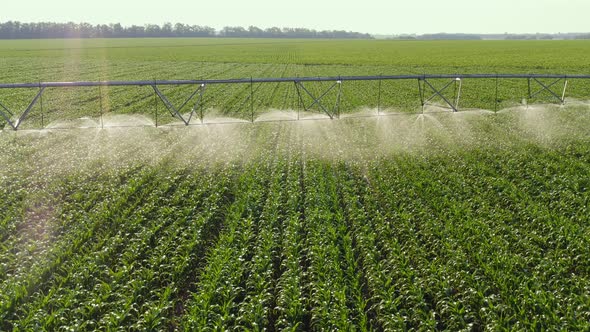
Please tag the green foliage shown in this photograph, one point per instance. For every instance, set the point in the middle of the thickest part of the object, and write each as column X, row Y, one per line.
column 468, row 221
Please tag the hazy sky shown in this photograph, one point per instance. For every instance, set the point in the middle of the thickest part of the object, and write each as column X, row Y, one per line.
column 373, row 16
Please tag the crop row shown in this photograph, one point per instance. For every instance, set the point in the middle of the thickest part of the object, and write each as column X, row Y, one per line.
column 289, row 232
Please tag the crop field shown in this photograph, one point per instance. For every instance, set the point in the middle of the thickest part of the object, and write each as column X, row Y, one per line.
column 475, row 220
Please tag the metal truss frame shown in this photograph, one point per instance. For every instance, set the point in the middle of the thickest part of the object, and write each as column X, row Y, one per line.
column 547, row 88
column 8, row 115
column 175, row 112
column 454, row 104
column 335, row 112
column 14, row 120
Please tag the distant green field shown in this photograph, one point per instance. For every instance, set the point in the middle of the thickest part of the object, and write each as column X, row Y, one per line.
column 394, row 56
column 163, row 59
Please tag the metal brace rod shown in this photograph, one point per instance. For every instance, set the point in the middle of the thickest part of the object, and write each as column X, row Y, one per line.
column 26, row 112
column 547, row 88
column 458, row 91
column 175, row 112
column 5, row 116
column 379, row 98
column 439, row 93
column 23, row 116
column 318, row 99
column 421, row 92
column 337, row 103
column 300, row 100
column 201, row 90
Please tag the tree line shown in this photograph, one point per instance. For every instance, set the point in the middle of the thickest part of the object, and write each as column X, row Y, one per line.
column 19, row 30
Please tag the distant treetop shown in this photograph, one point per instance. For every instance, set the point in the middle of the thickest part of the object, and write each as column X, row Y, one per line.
column 18, row 30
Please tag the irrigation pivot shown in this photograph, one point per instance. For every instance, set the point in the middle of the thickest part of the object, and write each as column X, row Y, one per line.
column 14, row 118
